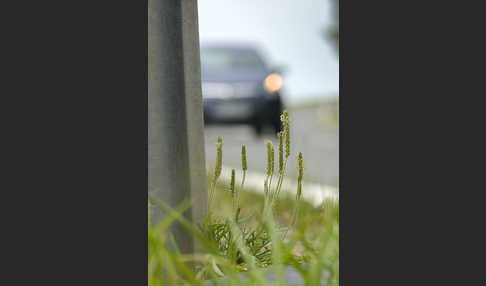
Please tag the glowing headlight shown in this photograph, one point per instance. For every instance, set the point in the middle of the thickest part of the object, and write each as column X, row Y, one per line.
column 273, row 82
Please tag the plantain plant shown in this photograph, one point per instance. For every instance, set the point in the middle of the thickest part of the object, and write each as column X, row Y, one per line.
column 257, row 240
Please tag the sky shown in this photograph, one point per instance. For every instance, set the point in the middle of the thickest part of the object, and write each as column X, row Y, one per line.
column 290, row 33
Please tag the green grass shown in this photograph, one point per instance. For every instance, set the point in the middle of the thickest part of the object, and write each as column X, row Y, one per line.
column 314, row 242
column 246, row 233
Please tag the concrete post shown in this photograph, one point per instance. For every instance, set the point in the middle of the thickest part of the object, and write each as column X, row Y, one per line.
column 176, row 127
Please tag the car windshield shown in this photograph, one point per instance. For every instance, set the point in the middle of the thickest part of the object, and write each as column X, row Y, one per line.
column 223, row 59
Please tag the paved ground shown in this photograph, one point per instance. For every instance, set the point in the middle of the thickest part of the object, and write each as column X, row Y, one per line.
column 319, row 145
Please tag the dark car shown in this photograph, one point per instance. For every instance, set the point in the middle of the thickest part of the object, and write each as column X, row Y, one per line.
column 239, row 88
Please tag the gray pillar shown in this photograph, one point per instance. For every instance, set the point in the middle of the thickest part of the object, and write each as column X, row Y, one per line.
column 176, row 129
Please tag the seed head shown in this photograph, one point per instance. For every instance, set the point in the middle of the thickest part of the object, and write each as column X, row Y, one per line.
column 286, row 122
column 300, row 162
column 219, row 158
column 232, row 185
column 269, row 158
column 243, row 157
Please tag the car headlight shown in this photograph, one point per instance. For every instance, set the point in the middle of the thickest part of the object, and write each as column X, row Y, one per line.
column 273, row 82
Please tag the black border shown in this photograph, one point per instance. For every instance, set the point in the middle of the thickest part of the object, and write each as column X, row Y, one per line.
column 410, row 146
column 75, row 142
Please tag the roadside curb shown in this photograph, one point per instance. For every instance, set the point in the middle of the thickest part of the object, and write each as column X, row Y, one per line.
column 316, row 194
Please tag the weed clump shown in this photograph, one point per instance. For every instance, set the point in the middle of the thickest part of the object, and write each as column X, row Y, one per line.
column 258, row 241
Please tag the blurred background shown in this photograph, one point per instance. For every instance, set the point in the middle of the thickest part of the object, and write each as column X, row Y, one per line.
column 260, row 57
